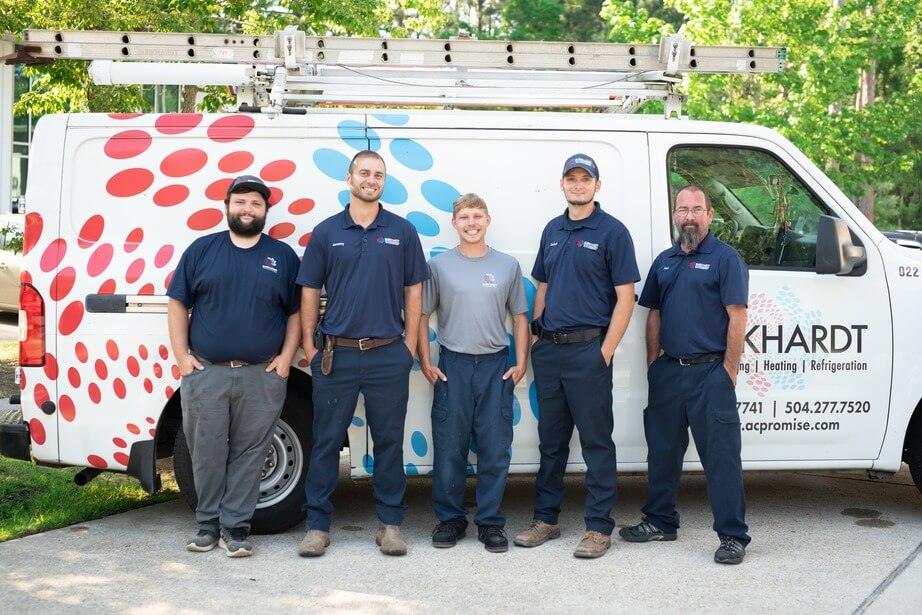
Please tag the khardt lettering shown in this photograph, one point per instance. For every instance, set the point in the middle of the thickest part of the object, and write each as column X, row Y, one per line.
column 811, row 340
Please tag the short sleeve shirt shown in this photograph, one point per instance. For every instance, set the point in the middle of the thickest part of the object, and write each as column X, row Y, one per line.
column 582, row 262
column 364, row 271
column 692, row 292
column 241, row 298
column 471, row 297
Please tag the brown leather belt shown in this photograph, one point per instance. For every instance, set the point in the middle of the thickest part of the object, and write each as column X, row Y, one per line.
column 234, row 363
column 366, row 343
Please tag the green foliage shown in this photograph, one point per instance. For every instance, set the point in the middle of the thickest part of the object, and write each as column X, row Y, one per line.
column 11, row 238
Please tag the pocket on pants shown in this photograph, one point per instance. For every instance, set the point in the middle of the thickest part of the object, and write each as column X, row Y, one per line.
column 723, row 395
column 440, row 402
column 505, row 408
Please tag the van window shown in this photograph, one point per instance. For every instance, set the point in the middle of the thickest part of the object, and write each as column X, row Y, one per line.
column 760, row 207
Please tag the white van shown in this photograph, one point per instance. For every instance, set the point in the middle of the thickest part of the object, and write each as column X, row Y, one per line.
column 829, row 377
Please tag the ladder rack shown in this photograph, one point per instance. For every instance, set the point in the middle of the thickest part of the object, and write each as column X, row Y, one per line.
column 281, row 72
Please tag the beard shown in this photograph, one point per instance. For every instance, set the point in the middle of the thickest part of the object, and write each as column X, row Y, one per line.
column 689, row 236
column 359, row 194
column 246, row 229
column 585, row 201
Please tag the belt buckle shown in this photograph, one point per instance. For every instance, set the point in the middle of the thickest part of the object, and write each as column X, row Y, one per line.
column 362, row 343
column 560, row 338
column 234, row 364
column 683, row 363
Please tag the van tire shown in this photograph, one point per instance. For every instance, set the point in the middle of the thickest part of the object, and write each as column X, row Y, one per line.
column 281, row 493
column 912, row 453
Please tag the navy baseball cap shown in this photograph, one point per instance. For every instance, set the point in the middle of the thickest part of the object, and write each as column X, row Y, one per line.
column 581, row 161
column 251, row 182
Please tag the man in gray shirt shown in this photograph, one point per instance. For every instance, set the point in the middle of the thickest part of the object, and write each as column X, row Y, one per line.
column 471, row 288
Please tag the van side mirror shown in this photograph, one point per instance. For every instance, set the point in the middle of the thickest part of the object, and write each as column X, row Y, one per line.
column 835, row 252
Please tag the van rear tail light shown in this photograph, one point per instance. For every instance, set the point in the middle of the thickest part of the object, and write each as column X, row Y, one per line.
column 31, row 327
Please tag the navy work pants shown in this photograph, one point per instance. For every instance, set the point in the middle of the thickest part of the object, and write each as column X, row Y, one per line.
column 475, row 401
column 703, row 398
column 382, row 375
column 574, row 389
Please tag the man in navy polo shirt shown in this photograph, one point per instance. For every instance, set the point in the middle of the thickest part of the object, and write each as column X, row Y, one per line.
column 697, row 292
column 234, row 354
column 371, row 263
column 586, row 270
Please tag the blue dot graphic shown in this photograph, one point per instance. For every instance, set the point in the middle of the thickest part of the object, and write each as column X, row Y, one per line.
column 331, row 163
column 470, row 470
column 419, row 444
column 432, row 335
column 511, row 359
column 530, row 291
column 437, row 250
column 516, row 410
column 393, row 120
column 394, row 191
column 411, row 154
column 472, row 445
column 424, row 223
column 412, row 470
column 533, row 399
column 343, row 197
column 356, row 134
column 369, row 463
column 357, row 421
column 439, row 194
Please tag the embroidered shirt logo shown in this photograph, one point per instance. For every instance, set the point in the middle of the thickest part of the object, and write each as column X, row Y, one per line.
column 489, row 280
column 270, row 264
column 702, row 266
column 586, row 244
column 388, row 240
column 552, row 244
column 338, row 244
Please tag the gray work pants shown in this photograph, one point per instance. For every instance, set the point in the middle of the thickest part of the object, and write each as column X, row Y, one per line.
column 229, row 414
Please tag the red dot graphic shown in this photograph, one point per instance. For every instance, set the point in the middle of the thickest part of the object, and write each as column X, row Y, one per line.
column 134, row 368
column 124, row 116
column 107, row 287
column 169, row 393
column 230, row 128
column 132, row 428
column 142, row 352
column 33, row 231
column 301, row 206
column 150, row 420
column 51, row 366
column 91, row 231
column 70, row 318
column 168, row 279
column 101, row 370
column 168, row 196
column 158, row 371
column 277, row 171
column 177, row 123
column 303, row 363
column 217, row 190
column 164, row 352
column 153, row 432
column 127, row 144
column 305, row 238
column 37, row 431
column 100, row 259
column 53, row 255
column 40, row 395
column 94, row 393
column 135, row 270
column 183, row 162
column 148, row 385
column 175, row 371
column 112, row 349
column 66, row 408
column 164, row 254
column 129, row 182
column 81, row 352
column 22, row 381
column 134, row 239
column 235, row 162
column 205, row 219
column 62, row 283
column 96, row 461
column 282, row 230
column 147, row 289
column 275, row 195
column 120, row 458
column 119, row 442
column 73, row 377
column 119, row 388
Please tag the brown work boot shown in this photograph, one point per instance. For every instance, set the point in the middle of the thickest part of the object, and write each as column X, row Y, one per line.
column 593, row 545
column 314, row 543
column 390, row 541
column 537, row 533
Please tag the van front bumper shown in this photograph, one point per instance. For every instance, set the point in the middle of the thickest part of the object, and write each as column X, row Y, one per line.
column 14, row 441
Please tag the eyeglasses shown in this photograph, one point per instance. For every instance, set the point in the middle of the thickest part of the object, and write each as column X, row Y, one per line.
column 696, row 212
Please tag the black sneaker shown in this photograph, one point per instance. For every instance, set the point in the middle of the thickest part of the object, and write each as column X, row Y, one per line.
column 205, row 540
column 644, row 532
column 730, row 551
column 448, row 533
column 493, row 538
column 235, row 542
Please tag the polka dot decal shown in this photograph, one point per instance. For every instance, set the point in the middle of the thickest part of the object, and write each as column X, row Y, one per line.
column 177, row 123
column 235, row 162
column 230, row 128
column 100, row 259
column 205, row 219
column 91, row 231
column 32, row 232
column 183, row 162
column 127, row 144
column 129, row 182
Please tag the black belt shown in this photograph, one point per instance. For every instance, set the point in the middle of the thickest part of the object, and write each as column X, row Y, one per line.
column 701, row 358
column 572, row 337
column 232, row 362
column 366, row 343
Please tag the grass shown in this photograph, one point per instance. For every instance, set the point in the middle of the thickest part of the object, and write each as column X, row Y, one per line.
column 35, row 499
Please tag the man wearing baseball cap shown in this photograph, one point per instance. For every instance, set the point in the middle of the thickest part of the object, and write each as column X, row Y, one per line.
column 586, row 270
column 233, row 353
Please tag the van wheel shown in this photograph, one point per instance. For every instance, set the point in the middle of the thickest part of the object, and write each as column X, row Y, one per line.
column 913, row 450
column 281, row 485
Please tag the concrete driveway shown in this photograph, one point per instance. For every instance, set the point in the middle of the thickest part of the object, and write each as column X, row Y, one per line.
column 822, row 543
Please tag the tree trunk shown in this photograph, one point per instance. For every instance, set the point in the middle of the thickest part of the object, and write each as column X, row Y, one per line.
column 867, row 94
column 187, row 94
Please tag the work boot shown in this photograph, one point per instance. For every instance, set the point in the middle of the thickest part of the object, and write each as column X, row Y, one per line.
column 447, row 533
column 730, row 551
column 205, row 540
column 235, row 542
column 314, row 543
column 593, row 545
column 493, row 538
column 390, row 541
column 538, row 533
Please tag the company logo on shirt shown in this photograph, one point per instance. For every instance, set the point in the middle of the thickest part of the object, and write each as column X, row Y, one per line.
column 338, row 244
column 586, row 244
column 388, row 240
column 696, row 265
column 270, row 264
column 489, row 280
